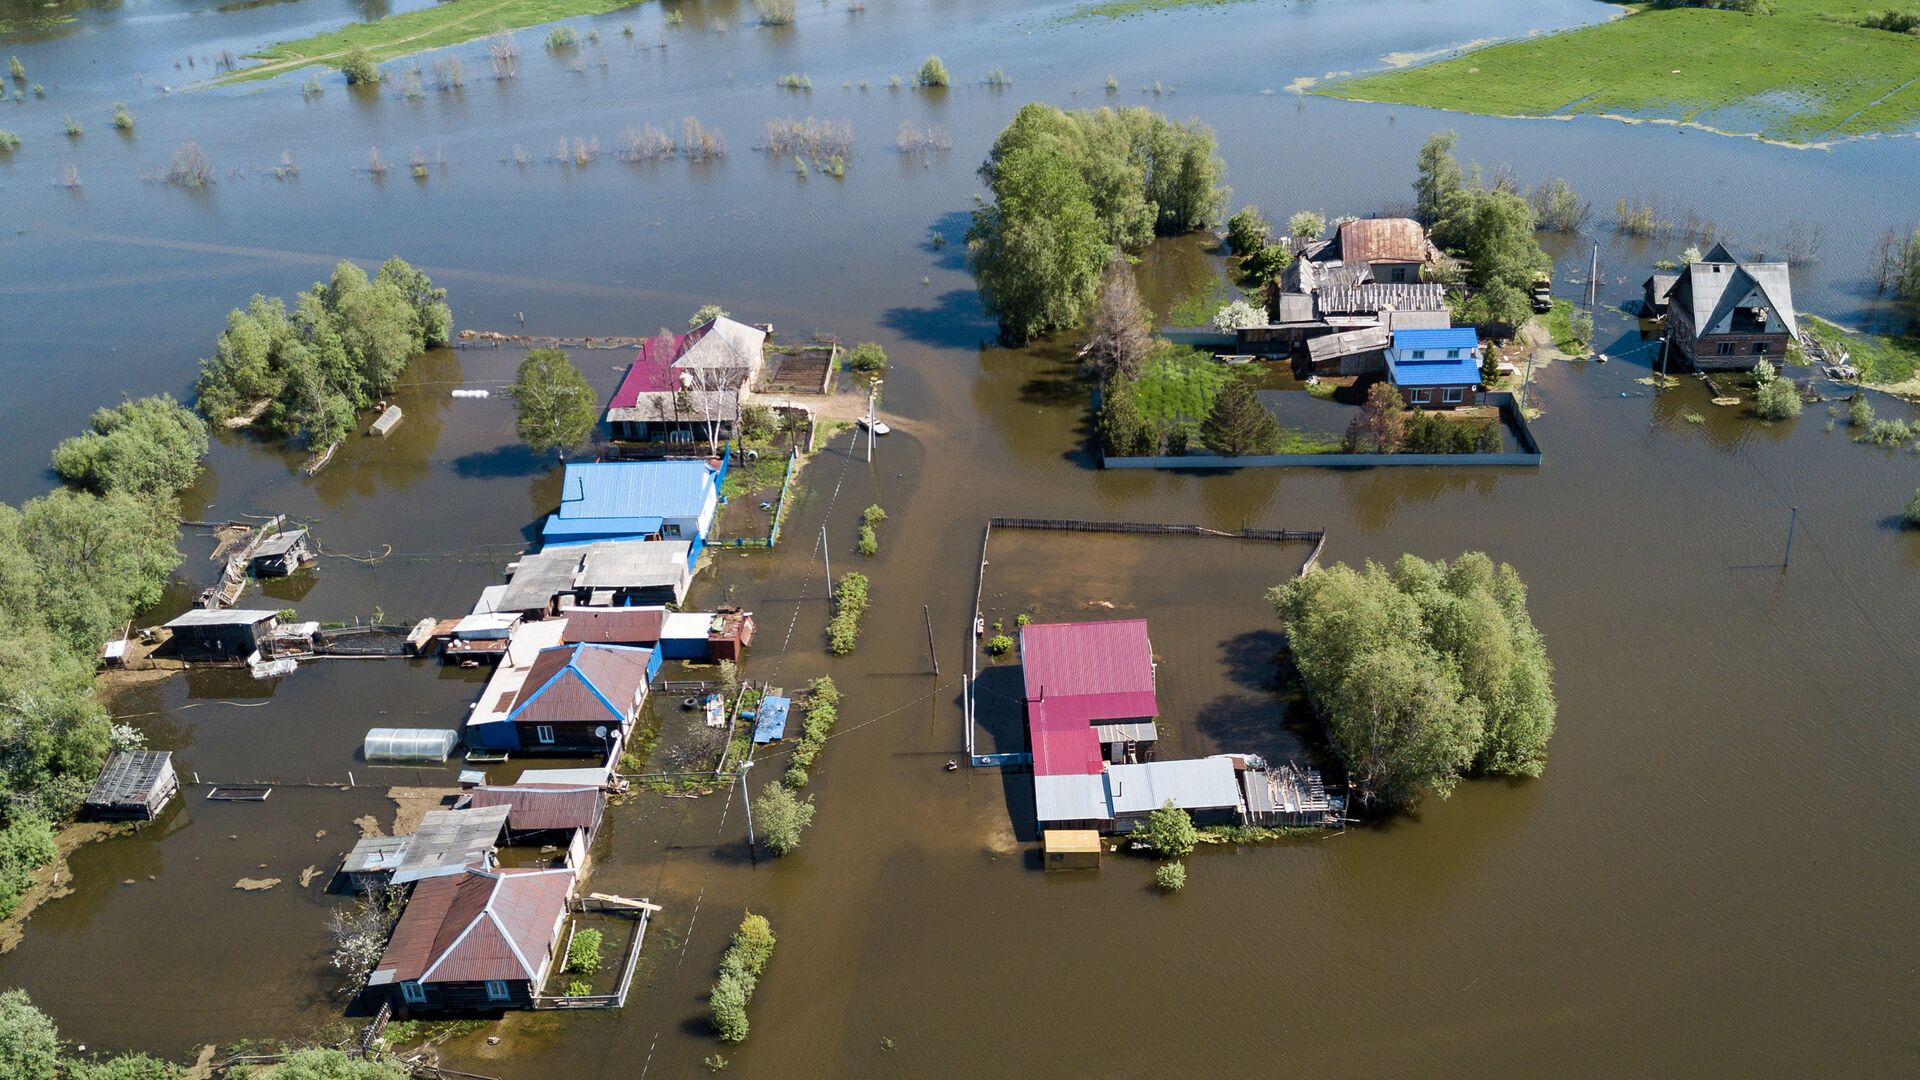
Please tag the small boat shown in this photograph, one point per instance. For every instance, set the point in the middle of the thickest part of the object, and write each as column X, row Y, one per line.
column 953, row 764
column 716, row 712
column 879, row 426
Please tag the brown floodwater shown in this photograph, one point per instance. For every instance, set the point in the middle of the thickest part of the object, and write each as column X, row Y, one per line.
column 1709, row 879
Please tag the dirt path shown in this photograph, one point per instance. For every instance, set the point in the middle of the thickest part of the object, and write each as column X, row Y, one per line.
column 277, row 67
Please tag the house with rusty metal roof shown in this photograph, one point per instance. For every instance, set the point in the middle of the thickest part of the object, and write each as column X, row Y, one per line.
column 572, row 699
column 1728, row 315
column 482, row 940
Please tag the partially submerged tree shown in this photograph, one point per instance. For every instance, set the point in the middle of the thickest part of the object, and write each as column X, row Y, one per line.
column 1169, row 832
column 555, row 407
column 782, row 816
column 152, row 446
column 1238, row 423
column 1246, row 231
column 1120, row 333
column 1038, row 249
column 359, row 68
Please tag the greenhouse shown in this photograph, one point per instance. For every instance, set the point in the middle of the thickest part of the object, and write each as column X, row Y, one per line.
column 409, row 745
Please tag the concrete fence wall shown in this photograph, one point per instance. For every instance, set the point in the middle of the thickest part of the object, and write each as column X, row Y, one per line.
column 1526, row 457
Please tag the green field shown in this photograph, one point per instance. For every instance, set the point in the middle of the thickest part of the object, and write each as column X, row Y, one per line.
column 1805, row 74
column 1883, row 361
column 448, row 23
column 1177, row 385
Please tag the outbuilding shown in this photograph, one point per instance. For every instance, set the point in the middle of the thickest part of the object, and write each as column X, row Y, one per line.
column 134, row 785
column 1070, row 849
column 210, row 634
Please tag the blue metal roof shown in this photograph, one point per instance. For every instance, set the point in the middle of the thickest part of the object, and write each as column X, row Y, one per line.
column 1462, row 372
column 635, row 489
column 560, row 530
column 770, row 720
column 1458, row 337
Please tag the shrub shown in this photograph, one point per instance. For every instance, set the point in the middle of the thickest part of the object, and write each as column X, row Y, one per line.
column 999, row 645
column 9, row 142
column 1169, row 832
column 1236, row 314
column 16, row 69
column 783, row 816
column 26, row 844
column 775, row 12
column 1777, row 399
column 1912, row 513
column 189, row 166
column 1886, row 433
column 579, row 987
column 74, row 130
column 29, row 1042
column 1860, row 412
column 562, row 37
column 933, row 73
column 359, row 68
column 583, row 952
column 1266, row 264
column 868, row 358
column 1171, row 876
column 849, row 606
column 869, row 544
column 152, row 446
column 122, row 119
column 1307, row 225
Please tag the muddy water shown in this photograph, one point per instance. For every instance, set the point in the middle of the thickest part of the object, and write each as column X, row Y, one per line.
column 1708, row 880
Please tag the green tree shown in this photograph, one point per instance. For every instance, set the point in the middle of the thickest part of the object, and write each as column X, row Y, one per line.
column 1307, row 225
column 1776, row 399
column 1169, row 832
column 26, row 844
column 1171, row 876
column 727, row 1008
column 867, row 358
column 782, row 817
column 1238, row 423
column 1247, row 231
column 359, row 68
column 1267, row 264
column 1912, row 513
column 1123, row 431
column 554, row 405
column 1120, row 332
column 1381, row 425
column 1037, row 249
column 707, row 313
column 97, row 560
column 933, row 73
column 152, row 446
column 29, row 1042
column 1439, row 178
column 432, row 317
column 125, row 1067
column 329, row 1064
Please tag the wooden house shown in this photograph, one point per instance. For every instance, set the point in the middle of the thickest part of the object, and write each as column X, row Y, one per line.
column 222, row 633
column 1393, row 250
column 483, row 940
column 682, row 388
column 134, row 785
column 1727, row 315
column 281, row 554
column 572, row 699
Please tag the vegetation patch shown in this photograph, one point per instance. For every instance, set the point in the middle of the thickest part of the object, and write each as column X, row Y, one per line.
column 1803, row 71
column 1120, row 9
column 1572, row 332
column 740, row 968
column 1883, row 360
column 450, row 22
column 849, row 607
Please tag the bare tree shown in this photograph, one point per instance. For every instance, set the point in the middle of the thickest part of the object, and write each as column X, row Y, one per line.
column 504, row 53
column 189, row 167
column 1121, row 330
column 359, row 934
column 713, row 394
column 1886, row 260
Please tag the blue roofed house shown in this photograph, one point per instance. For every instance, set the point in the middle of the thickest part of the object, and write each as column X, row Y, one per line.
column 1436, row 369
column 637, row 500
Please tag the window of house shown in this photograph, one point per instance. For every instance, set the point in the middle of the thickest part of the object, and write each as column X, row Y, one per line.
column 1399, row 273
column 1453, row 354
column 1419, row 354
column 1759, row 347
column 1725, row 349
column 544, row 732
column 1422, row 397
column 671, row 530
column 413, row 993
column 1453, row 396
column 497, row 990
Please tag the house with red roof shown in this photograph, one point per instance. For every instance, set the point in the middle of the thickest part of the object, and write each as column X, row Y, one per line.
column 572, row 699
column 481, row 940
column 683, row 391
column 1090, row 701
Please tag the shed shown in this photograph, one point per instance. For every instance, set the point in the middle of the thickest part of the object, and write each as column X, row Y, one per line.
column 280, row 554
column 221, row 633
column 1205, row 787
column 614, row 500
column 1070, row 849
column 729, row 635
column 408, row 745
column 446, row 842
column 135, row 785
column 614, row 626
column 388, row 420
column 770, row 719
column 683, row 635
column 544, row 808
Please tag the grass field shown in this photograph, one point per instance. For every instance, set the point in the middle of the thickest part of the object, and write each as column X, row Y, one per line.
column 1177, row 385
column 1883, row 361
column 448, row 23
column 1808, row 73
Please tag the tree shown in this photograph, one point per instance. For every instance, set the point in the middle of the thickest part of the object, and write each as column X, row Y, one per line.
column 554, row 405
column 1558, row 207
column 329, row 1064
column 1236, row 315
column 29, row 1042
column 867, row 358
column 1038, row 249
column 1381, row 426
column 1422, row 672
column 1246, row 231
column 1169, row 832
column 97, row 560
column 1238, row 423
column 1439, row 177
column 1911, row 515
column 1267, row 264
column 359, row 68
column 1904, row 281
column 1776, row 399
column 359, row 933
column 933, row 72
column 1123, row 431
column 1120, row 333
column 782, row 816
column 707, row 313
column 126, row 1067
column 1307, row 225
column 1171, row 876
column 152, row 446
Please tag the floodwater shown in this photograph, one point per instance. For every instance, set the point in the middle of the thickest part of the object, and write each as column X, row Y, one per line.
column 1710, row 879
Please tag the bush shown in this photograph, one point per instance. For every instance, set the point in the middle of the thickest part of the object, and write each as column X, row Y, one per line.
column 152, row 446
column 849, row 606
column 73, row 128
column 867, row 358
column 1169, row 832
column 1246, row 231
column 26, row 845
column 1912, row 513
column 122, row 119
column 999, row 645
column 1307, row 225
column 932, row 73
column 1171, row 876
column 740, row 969
column 869, row 544
column 1860, row 412
column 583, row 952
column 775, row 12
column 782, row 817
column 1777, row 399
column 189, row 166
column 562, row 37
column 1237, row 314
column 9, row 142
column 29, row 1042
column 359, row 68
column 1266, row 264
column 1887, row 433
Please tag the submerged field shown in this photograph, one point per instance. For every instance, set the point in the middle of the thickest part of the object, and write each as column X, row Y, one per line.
column 1807, row 73
column 448, row 23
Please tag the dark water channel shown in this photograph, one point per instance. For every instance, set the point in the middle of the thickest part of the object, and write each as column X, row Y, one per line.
column 1709, row 880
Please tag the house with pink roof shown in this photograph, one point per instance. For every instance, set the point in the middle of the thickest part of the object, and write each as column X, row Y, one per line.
column 684, row 391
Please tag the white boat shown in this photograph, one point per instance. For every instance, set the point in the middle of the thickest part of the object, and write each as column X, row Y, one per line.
column 879, row 426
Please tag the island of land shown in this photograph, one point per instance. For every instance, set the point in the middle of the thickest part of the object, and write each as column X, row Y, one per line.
column 1806, row 72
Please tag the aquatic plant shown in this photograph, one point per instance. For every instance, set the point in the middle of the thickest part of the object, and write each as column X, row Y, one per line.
column 815, row 139
column 675, row 18
column 70, row 178
column 893, row 82
column 998, row 79
column 16, row 69
column 448, row 74
column 699, row 142
column 39, row 91
column 912, row 140
column 648, row 143
column 310, row 88
column 932, row 73
column 376, row 164
column 1637, row 217
column 287, row 167
column 417, row 164
column 1113, row 85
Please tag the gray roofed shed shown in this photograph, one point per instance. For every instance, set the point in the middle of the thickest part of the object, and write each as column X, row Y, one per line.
column 221, row 617
column 1191, row 784
column 1071, row 799
column 133, row 785
column 447, row 842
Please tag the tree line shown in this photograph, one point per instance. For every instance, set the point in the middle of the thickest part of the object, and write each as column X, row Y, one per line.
column 1490, row 228
column 1069, row 188
column 1423, row 672
column 307, row 371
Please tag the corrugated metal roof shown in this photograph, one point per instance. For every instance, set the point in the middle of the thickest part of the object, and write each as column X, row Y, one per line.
column 614, row 626
column 685, row 626
column 449, row 841
column 1372, row 240
column 634, row 564
column 540, row 807
column 1347, row 343
column 770, row 718
column 558, row 530
column 480, row 925
column 1712, row 289
column 279, row 543
column 1071, row 798
column 1143, row 731
column 1191, row 784
column 1462, row 372
column 489, row 601
column 1454, row 337
column 222, row 617
column 1372, row 298
column 1090, row 671
column 635, row 489
column 1069, row 750
column 582, row 683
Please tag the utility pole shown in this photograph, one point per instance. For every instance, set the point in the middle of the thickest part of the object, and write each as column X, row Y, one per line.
column 1791, row 522
column 746, row 794
column 828, row 553
column 928, row 613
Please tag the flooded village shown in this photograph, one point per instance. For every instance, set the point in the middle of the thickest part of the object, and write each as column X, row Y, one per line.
column 694, row 627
